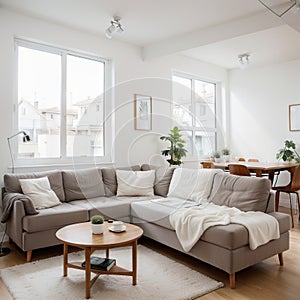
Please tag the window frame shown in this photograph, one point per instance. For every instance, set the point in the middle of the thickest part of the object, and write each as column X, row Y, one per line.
column 194, row 156
column 108, row 105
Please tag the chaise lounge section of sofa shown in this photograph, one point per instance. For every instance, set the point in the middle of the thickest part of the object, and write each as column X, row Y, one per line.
column 84, row 193
column 225, row 247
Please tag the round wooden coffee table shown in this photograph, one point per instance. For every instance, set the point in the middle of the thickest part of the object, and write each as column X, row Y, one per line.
column 81, row 236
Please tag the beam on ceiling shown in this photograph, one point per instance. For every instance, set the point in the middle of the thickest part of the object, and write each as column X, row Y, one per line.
column 205, row 36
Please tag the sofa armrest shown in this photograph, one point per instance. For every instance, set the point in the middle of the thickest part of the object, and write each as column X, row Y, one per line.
column 283, row 219
column 14, row 224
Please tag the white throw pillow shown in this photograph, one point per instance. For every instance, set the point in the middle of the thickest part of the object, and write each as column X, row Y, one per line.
column 192, row 184
column 39, row 191
column 135, row 183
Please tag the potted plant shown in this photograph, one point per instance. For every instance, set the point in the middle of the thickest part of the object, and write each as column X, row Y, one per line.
column 97, row 224
column 217, row 156
column 176, row 150
column 288, row 154
column 226, row 154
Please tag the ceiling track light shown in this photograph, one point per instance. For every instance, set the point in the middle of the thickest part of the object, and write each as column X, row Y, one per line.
column 294, row 4
column 244, row 60
column 115, row 25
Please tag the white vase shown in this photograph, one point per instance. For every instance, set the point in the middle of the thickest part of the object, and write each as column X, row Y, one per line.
column 288, row 162
column 97, row 228
column 226, row 158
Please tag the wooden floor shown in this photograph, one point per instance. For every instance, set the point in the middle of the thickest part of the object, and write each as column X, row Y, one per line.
column 266, row 280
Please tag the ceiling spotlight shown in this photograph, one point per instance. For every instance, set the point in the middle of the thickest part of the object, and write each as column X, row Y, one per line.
column 244, row 60
column 115, row 26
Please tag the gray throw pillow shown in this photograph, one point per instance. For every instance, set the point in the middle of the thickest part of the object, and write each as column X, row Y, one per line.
column 83, row 184
column 163, row 176
column 243, row 192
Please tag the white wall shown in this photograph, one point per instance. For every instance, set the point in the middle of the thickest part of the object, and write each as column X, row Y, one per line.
column 259, row 100
column 131, row 76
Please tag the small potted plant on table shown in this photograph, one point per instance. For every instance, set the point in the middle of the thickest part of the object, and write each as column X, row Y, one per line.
column 217, row 156
column 226, row 154
column 97, row 224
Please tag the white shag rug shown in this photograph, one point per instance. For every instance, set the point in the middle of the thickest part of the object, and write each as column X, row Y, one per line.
column 158, row 278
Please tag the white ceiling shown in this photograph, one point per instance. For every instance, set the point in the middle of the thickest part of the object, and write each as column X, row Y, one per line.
column 265, row 47
column 213, row 31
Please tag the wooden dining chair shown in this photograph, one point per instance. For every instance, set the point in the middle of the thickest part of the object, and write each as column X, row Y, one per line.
column 253, row 160
column 241, row 159
column 207, row 165
column 240, row 170
column 292, row 188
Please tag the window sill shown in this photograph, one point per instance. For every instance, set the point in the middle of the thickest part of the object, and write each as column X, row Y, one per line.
column 51, row 166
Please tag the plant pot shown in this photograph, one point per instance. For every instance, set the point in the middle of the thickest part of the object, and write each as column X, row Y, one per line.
column 218, row 160
column 288, row 162
column 226, row 158
column 97, row 228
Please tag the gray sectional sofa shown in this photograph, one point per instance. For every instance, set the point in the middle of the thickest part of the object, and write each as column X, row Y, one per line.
column 84, row 193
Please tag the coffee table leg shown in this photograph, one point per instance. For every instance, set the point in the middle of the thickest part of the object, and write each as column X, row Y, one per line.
column 65, row 260
column 107, row 253
column 87, row 272
column 134, row 262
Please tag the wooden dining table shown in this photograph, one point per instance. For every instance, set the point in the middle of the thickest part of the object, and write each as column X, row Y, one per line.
column 260, row 168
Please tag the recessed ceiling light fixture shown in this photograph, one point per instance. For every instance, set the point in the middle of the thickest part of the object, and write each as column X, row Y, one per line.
column 244, row 60
column 280, row 9
column 115, row 26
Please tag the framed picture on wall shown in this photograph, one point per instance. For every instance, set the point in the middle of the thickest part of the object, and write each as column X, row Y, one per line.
column 142, row 112
column 294, row 117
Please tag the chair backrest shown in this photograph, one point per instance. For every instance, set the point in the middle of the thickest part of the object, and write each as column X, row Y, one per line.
column 295, row 183
column 240, row 170
column 241, row 159
column 253, row 160
column 207, row 165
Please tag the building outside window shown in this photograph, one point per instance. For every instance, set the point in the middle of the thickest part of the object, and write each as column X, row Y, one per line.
column 194, row 112
column 60, row 102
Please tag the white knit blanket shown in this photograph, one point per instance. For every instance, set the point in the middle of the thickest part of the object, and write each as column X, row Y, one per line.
column 190, row 223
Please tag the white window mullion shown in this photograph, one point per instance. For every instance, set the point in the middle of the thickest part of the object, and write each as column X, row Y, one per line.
column 194, row 117
column 63, row 128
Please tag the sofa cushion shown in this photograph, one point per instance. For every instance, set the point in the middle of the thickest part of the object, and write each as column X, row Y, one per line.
column 230, row 236
column 157, row 210
column 233, row 236
column 135, row 183
column 243, row 192
column 39, row 191
column 163, row 178
column 110, row 179
column 109, row 207
column 12, row 184
column 83, row 184
column 55, row 217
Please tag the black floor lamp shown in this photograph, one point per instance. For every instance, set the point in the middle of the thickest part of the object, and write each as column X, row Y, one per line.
column 3, row 250
column 26, row 138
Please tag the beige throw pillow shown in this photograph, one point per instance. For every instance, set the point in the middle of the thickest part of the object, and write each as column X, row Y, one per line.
column 39, row 191
column 192, row 184
column 135, row 183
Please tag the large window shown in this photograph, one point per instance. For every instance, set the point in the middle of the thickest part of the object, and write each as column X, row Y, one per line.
column 194, row 112
column 60, row 102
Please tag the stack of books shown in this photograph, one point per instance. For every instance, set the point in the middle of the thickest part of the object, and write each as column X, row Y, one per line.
column 99, row 263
